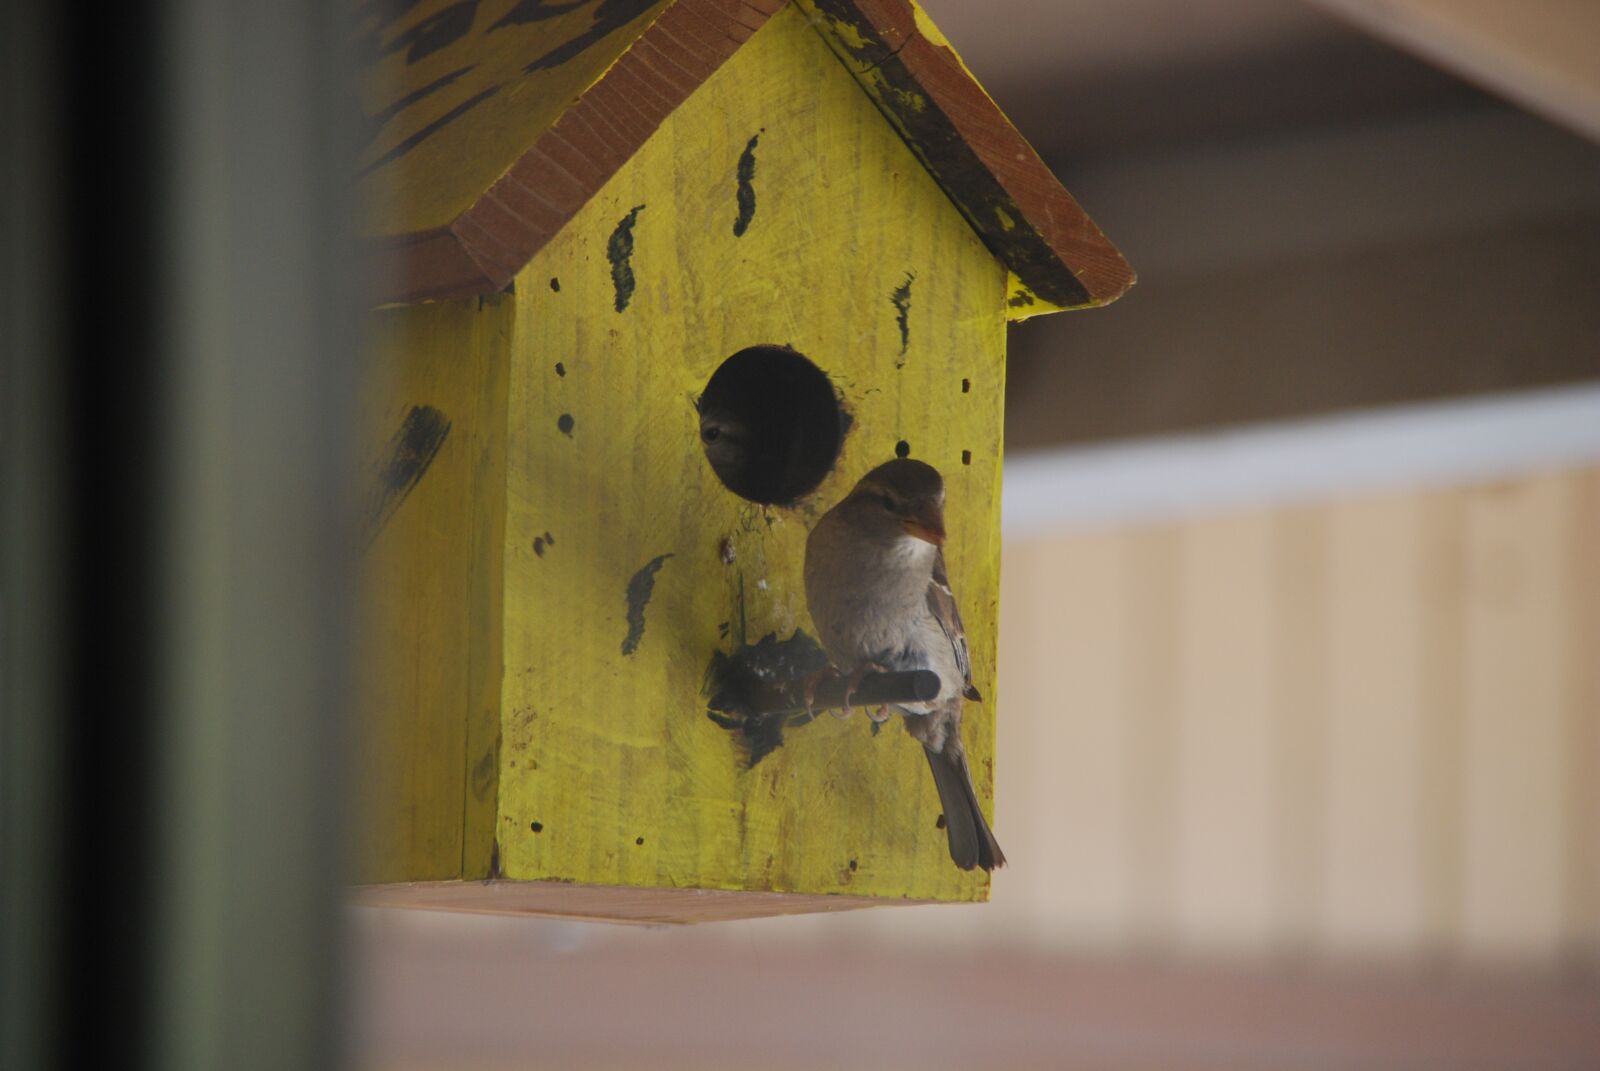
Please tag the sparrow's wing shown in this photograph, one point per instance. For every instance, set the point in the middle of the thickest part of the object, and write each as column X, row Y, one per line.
column 942, row 604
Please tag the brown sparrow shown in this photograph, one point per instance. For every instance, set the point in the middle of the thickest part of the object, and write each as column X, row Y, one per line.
column 880, row 599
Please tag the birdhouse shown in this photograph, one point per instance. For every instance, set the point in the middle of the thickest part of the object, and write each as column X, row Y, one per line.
column 596, row 222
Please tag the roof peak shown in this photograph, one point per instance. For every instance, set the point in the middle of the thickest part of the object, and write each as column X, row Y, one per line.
column 644, row 68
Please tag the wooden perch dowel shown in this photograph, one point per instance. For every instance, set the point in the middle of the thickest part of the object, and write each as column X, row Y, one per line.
column 788, row 697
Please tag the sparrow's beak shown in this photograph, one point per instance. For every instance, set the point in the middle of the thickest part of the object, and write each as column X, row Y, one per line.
column 927, row 525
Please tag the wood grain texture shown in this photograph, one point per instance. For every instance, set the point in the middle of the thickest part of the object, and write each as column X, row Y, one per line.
column 1301, row 724
column 1056, row 254
column 1224, row 733
column 1441, row 778
column 429, row 639
column 1514, row 799
column 1372, row 818
column 1581, row 900
column 479, row 162
column 1071, row 877
column 610, row 752
column 452, row 102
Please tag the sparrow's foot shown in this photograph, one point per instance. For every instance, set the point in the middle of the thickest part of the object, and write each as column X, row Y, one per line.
column 810, row 693
column 854, row 682
column 879, row 715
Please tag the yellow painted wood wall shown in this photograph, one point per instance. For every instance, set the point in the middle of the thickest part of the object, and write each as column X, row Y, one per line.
column 573, row 465
column 1365, row 727
column 428, row 683
column 610, row 753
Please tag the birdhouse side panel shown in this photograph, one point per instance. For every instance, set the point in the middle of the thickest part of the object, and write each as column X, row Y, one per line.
column 429, row 624
column 775, row 207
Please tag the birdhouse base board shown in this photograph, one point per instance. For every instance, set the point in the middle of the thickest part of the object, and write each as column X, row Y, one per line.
column 607, row 903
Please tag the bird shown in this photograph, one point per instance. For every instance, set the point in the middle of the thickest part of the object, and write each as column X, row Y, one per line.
column 880, row 598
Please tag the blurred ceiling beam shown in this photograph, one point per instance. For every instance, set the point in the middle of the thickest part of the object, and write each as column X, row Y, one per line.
column 1539, row 53
column 1337, row 269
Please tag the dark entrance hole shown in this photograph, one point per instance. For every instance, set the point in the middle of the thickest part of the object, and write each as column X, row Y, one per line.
column 770, row 424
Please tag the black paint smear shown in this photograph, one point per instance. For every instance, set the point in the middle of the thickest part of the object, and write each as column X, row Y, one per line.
column 380, row 118
column 746, row 195
column 538, row 545
column 610, row 15
column 731, row 678
column 376, row 18
column 564, row 423
column 901, row 299
column 966, row 457
column 966, row 385
column 439, row 30
column 1020, row 300
column 409, row 143
column 618, row 250
column 902, row 449
column 640, row 588
column 526, row 11
column 555, row 284
column 410, row 452
column 561, row 369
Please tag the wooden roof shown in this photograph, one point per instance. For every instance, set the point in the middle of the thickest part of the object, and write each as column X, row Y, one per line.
column 490, row 132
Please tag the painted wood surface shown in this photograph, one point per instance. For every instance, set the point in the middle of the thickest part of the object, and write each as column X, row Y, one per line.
column 849, row 252
column 1057, row 257
column 493, row 123
column 428, row 687
column 454, row 92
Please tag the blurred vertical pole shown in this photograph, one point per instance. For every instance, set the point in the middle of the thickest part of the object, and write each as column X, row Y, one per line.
column 178, row 388
column 32, row 587
column 264, row 134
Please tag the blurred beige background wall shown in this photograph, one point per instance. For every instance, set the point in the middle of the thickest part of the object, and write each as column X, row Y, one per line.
column 1363, row 727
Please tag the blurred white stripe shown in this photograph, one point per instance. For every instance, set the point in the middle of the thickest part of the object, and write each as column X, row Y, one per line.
column 1430, row 445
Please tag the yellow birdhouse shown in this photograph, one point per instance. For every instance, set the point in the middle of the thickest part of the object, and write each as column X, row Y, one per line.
column 595, row 221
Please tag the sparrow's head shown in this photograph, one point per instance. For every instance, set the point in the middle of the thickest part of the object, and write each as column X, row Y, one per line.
column 901, row 498
column 727, row 441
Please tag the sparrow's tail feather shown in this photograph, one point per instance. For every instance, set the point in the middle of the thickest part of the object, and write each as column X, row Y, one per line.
column 971, row 842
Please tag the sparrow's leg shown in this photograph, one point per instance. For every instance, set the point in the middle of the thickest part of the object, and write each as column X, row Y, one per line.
column 812, row 683
column 854, row 682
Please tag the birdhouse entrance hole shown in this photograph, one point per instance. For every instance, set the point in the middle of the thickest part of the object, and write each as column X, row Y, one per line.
column 770, row 424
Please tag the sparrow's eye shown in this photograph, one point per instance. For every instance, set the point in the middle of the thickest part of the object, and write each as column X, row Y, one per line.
column 711, row 433
column 888, row 502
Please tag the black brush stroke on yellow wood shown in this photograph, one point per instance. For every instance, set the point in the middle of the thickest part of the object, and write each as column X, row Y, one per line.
column 746, row 193
column 640, row 588
column 411, row 450
column 619, row 251
column 611, row 15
